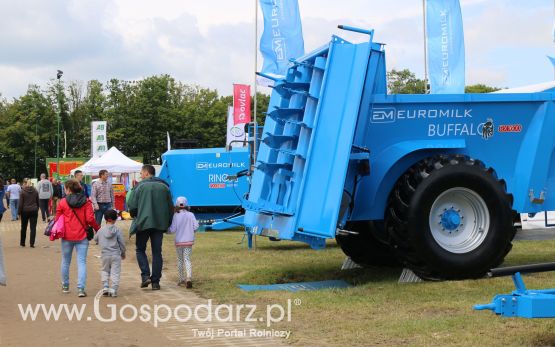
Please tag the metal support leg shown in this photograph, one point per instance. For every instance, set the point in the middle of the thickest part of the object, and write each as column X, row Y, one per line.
column 249, row 237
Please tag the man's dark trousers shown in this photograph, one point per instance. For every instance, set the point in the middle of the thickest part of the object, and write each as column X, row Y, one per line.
column 156, row 237
column 43, row 204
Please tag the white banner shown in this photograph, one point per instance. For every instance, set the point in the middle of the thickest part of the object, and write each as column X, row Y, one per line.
column 99, row 143
column 234, row 132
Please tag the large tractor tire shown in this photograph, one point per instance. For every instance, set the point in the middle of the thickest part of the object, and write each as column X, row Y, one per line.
column 364, row 248
column 449, row 217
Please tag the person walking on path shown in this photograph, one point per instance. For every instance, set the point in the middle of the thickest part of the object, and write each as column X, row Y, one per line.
column 28, row 210
column 13, row 193
column 112, row 247
column 102, row 196
column 184, row 225
column 151, row 207
column 79, row 177
column 6, row 194
column 57, row 188
column 78, row 213
column 45, row 194
column 2, row 193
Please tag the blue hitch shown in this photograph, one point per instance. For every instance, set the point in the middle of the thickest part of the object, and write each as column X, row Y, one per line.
column 522, row 302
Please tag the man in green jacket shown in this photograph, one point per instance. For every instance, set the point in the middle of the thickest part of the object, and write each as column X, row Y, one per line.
column 151, row 207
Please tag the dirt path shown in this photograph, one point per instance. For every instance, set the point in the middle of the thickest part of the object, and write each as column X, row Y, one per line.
column 34, row 278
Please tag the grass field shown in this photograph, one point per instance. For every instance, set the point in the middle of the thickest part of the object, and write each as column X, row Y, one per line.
column 376, row 310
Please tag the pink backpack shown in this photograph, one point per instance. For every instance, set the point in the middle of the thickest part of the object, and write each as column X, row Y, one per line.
column 58, row 230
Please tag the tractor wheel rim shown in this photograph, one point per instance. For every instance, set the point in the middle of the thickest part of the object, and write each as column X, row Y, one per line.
column 459, row 220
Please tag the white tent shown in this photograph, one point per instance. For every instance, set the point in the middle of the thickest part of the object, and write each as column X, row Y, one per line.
column 114, row 161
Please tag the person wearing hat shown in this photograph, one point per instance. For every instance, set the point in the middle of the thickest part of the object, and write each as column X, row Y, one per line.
column 184, row 224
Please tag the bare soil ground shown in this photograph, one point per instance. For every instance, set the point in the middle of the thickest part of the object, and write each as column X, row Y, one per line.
column 34, row 278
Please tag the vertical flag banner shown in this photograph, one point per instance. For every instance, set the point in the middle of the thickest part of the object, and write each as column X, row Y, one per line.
column 241, row 104
column 445, row 45
column 99, row 143
column 235, row 132
column 282, row 38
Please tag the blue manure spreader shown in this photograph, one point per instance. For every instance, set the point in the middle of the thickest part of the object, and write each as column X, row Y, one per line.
column 434, row 182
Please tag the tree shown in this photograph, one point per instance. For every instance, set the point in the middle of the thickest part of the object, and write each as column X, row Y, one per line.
column 404, row 82
column 480, row 88
column 139, row 114
column 20, row 120
column 90, row 107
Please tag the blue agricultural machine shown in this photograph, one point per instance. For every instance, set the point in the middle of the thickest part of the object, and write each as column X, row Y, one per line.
column 213, row 180
column 434, row 182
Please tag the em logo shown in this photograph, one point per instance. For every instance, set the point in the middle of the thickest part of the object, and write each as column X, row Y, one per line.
column 202, row 166
column 383, row 115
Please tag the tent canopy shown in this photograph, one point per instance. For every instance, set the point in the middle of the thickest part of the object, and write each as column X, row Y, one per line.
column 114, row 161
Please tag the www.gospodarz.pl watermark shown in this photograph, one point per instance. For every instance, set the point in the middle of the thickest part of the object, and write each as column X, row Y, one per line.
column 161, row 313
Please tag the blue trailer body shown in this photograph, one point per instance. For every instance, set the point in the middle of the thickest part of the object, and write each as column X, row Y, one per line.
column 403, row 128
column 330, row 118
column 202, row 175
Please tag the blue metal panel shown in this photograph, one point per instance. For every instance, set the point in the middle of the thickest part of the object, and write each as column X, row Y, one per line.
column 331, row 144
column 301, row 166
column 296, row 287
column 519, row 148
column 534, row 162
column 202, row 175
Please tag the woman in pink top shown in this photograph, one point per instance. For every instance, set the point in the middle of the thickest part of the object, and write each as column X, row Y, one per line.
column 184, row 225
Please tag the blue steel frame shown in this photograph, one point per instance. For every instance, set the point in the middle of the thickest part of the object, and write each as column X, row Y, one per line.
column 522, row 302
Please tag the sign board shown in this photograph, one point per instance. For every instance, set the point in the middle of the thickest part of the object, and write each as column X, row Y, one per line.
column 241, row 104
column 99, row 142
column 235, row 132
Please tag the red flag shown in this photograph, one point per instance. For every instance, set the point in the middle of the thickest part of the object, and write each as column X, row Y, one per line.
column 241, row 104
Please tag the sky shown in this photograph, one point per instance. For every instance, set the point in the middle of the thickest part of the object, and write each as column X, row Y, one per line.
column 211, row 43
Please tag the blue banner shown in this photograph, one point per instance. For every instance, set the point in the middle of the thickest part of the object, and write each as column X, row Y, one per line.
column 552, row 60
column 445, row 46
column 282, row 38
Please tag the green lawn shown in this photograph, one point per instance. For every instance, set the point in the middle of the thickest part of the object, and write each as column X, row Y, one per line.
column 376, row 310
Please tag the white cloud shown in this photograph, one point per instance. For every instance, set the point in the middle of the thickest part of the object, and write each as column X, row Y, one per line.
column 210, row 43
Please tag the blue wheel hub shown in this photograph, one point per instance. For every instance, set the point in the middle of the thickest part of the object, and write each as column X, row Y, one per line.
column 450, row 219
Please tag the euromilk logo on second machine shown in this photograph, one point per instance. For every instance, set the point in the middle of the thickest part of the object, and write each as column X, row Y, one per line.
column 222, row 165
column 392, row 114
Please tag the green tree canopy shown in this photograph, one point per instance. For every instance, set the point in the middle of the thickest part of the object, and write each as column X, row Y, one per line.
column 139, row 114
column 480, row 88
column 405, row 82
